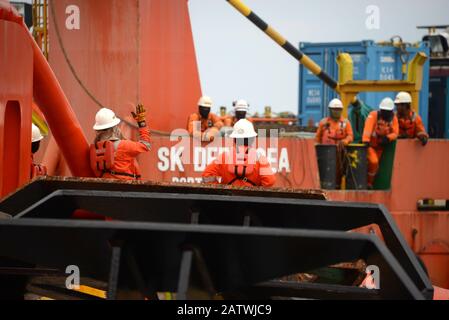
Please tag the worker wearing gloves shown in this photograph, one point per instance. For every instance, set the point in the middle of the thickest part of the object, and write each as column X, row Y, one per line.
column 112, row 156
column 335, row 130
column 37, row 170
column 381, row 129
column 204, row 124
column 410, row 123
column 243, row 166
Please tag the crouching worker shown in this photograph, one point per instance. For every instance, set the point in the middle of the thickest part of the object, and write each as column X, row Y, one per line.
column 112, row 156
column 243, row 166
column 37, row 170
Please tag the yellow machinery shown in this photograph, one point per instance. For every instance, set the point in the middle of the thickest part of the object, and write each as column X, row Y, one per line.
column 349, row 88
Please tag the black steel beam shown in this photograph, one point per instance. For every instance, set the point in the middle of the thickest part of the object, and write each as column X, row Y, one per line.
column 314, row 291
column 236, row 257
column 43, row 186
column 214, row 209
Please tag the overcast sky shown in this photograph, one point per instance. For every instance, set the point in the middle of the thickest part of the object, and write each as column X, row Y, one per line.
column 236, row 60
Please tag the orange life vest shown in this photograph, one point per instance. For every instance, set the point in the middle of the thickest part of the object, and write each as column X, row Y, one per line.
column 334, row 136
column 102, row 156
column 407, row 127
column 243, row 165
column 383, row 128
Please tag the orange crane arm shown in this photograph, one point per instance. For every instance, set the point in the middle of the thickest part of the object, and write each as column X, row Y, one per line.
column 55, row 106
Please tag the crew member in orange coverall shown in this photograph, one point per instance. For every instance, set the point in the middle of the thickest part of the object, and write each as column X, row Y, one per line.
column 37, row 170
column 243, row 166
column 410, row 123
column 112, row 156
column 241, row 109
column 210, row 124
column 381, row 129
column 335, row 129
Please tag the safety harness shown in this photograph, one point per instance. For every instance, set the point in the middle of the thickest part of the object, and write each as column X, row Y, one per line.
column 241, row 171
column 102, row 156
column 241, row 177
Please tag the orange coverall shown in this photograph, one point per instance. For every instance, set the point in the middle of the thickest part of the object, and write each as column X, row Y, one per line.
column 331, row 131
column 412, row 126
column 209, row 127
column 243, row 169
column 375, row 130
column 125, row 157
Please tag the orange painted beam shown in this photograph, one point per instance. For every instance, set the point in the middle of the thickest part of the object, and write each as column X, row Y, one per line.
column 16, row 89
column 54, row 104
column 62, row 120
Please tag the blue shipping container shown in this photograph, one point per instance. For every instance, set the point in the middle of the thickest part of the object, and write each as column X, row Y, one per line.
column 371, row 62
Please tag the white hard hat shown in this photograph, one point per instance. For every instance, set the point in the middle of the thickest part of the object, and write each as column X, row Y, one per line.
column 403, row 97
column 205, row 102
column 336, row 104
column 387, row 104
column 243, row 129
column 241, row 105
column 36, row 134
column 105, row 119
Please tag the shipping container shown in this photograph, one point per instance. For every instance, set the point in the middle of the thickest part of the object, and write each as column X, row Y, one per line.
column 439, row 107
column 372, row 61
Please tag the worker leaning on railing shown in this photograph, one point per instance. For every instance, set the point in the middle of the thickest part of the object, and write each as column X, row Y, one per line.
column 381, row 129
column 241, row 109
column 410, row 123
column 204, row 124
column 112, row 156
